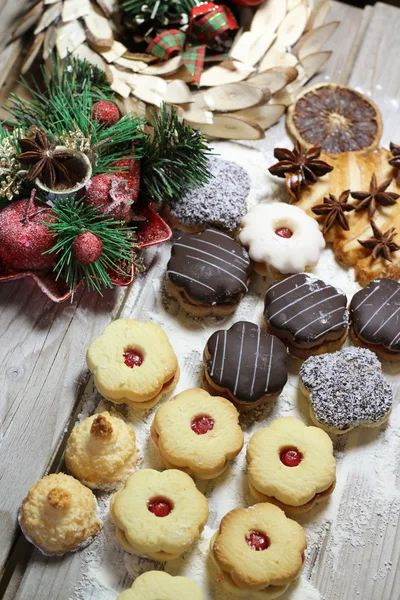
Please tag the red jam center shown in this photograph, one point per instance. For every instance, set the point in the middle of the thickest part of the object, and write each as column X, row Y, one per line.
column 160, row 507
column 133, row 358
column 284, row 232
column 257, row 541
column 291, row 457
column 202, row 424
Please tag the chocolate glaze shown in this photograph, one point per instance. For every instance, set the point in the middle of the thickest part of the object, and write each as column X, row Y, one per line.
column 210, row 267
column 375, row 313
column 306, row 310
column 247, row 361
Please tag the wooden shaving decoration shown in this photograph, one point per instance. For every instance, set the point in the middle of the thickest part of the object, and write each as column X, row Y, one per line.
column 275, row 53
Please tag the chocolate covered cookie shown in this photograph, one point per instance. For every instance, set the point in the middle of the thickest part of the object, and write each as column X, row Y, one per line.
column 346, row 389
column 246, row 365
column 208, row 273
column 308, row 315
column 375, row 318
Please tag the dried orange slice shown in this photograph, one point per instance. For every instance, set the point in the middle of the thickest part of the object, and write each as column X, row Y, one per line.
column 336, row 118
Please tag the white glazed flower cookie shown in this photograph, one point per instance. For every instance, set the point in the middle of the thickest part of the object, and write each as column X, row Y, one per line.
column 59, row 514
column 291, row 465
column 133, row 363
column 258, row 551
column 101, row 451
column 157, row 585
column 281, row 239
column 158, row 515
column 198, row 433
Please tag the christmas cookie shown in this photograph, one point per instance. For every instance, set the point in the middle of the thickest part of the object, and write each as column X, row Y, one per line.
column 375, row 318
column 158, row 515
column 291, row 465
column 101, row 451
column 281, row 239
column 133, row 362
column 246, row 365
column 157, row 585
column 59, row 515
column 198, row 433
column 307, row 314
column 220, row 203
column 346, row 389
column 258, row 550
column 208, row 273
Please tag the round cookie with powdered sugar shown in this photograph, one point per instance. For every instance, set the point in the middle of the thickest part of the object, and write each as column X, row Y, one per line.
column 208, row 273
column 308, row 315
column 346, row 390
column 375, row 318
column 219, row 203
column 246, row 365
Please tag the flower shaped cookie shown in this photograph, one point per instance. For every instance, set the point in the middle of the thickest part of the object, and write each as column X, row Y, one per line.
column 198, row 433
column 101, row 451
column 157, row 585
column 291, row 465
column 59, row 515
column 133, row 362
column 259, row 550
column 158, row 515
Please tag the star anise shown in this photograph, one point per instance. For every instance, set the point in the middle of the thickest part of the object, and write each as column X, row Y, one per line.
column 334, row 209
column 395, row 161
column 44, row 160
column 381, row 243
column 377, row 195
column 299, row 166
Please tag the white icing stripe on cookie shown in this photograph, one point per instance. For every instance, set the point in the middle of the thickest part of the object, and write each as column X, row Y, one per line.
column 333, row 326
column 219, row 233
column 309, row 308
column 240, row 361
column 256, row 363
column 318, row 319
column 200, row 241
column 366, row 298
column 296, row 301
column 206, row 262
column 270, row 363
column 289, row 291
column 212, row 256
column 387, row 320
column 192, row 279
column 215, row 356
column 377, row 310
column 223, row 358
column 394, row 340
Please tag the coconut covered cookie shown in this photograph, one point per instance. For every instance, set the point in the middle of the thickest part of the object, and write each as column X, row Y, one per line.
column 101, row 451
column 157, row 585
column 59, row 515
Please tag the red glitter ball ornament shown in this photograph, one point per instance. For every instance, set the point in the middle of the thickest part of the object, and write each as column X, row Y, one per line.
column 23, row 236
column 105, row 112
column 160, row 507
column 87, row 247
column 114, row 194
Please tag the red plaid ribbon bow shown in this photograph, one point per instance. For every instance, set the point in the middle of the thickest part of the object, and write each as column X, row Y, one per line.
column 207, row 21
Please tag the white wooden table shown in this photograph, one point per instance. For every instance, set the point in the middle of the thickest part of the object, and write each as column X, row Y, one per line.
column 43, row 373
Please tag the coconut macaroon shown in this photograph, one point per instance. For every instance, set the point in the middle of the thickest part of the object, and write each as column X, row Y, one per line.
column 59, row 515
column 101, row 451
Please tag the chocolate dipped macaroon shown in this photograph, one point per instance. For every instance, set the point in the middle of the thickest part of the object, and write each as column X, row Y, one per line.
column 307, row 315
column 246, row 365
column 375, row 318
column 208, row 273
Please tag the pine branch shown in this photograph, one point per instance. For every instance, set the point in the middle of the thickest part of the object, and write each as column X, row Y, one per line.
column 158, row 10
column 74, row 218
column 173, row 158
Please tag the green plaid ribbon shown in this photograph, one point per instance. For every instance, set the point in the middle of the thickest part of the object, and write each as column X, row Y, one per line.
column 167, row 43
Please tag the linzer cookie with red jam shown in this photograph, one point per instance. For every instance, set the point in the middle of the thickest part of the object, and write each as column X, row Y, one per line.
column 158, row 515
column 133, row 363
column 375, row 318
column 258, row 551
column 246, row 365
column 281, row 239
column 208, row 273
column 157, row 585
column 291, row 465
column 308, row 315
column 197, row 433
column 346, row 389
